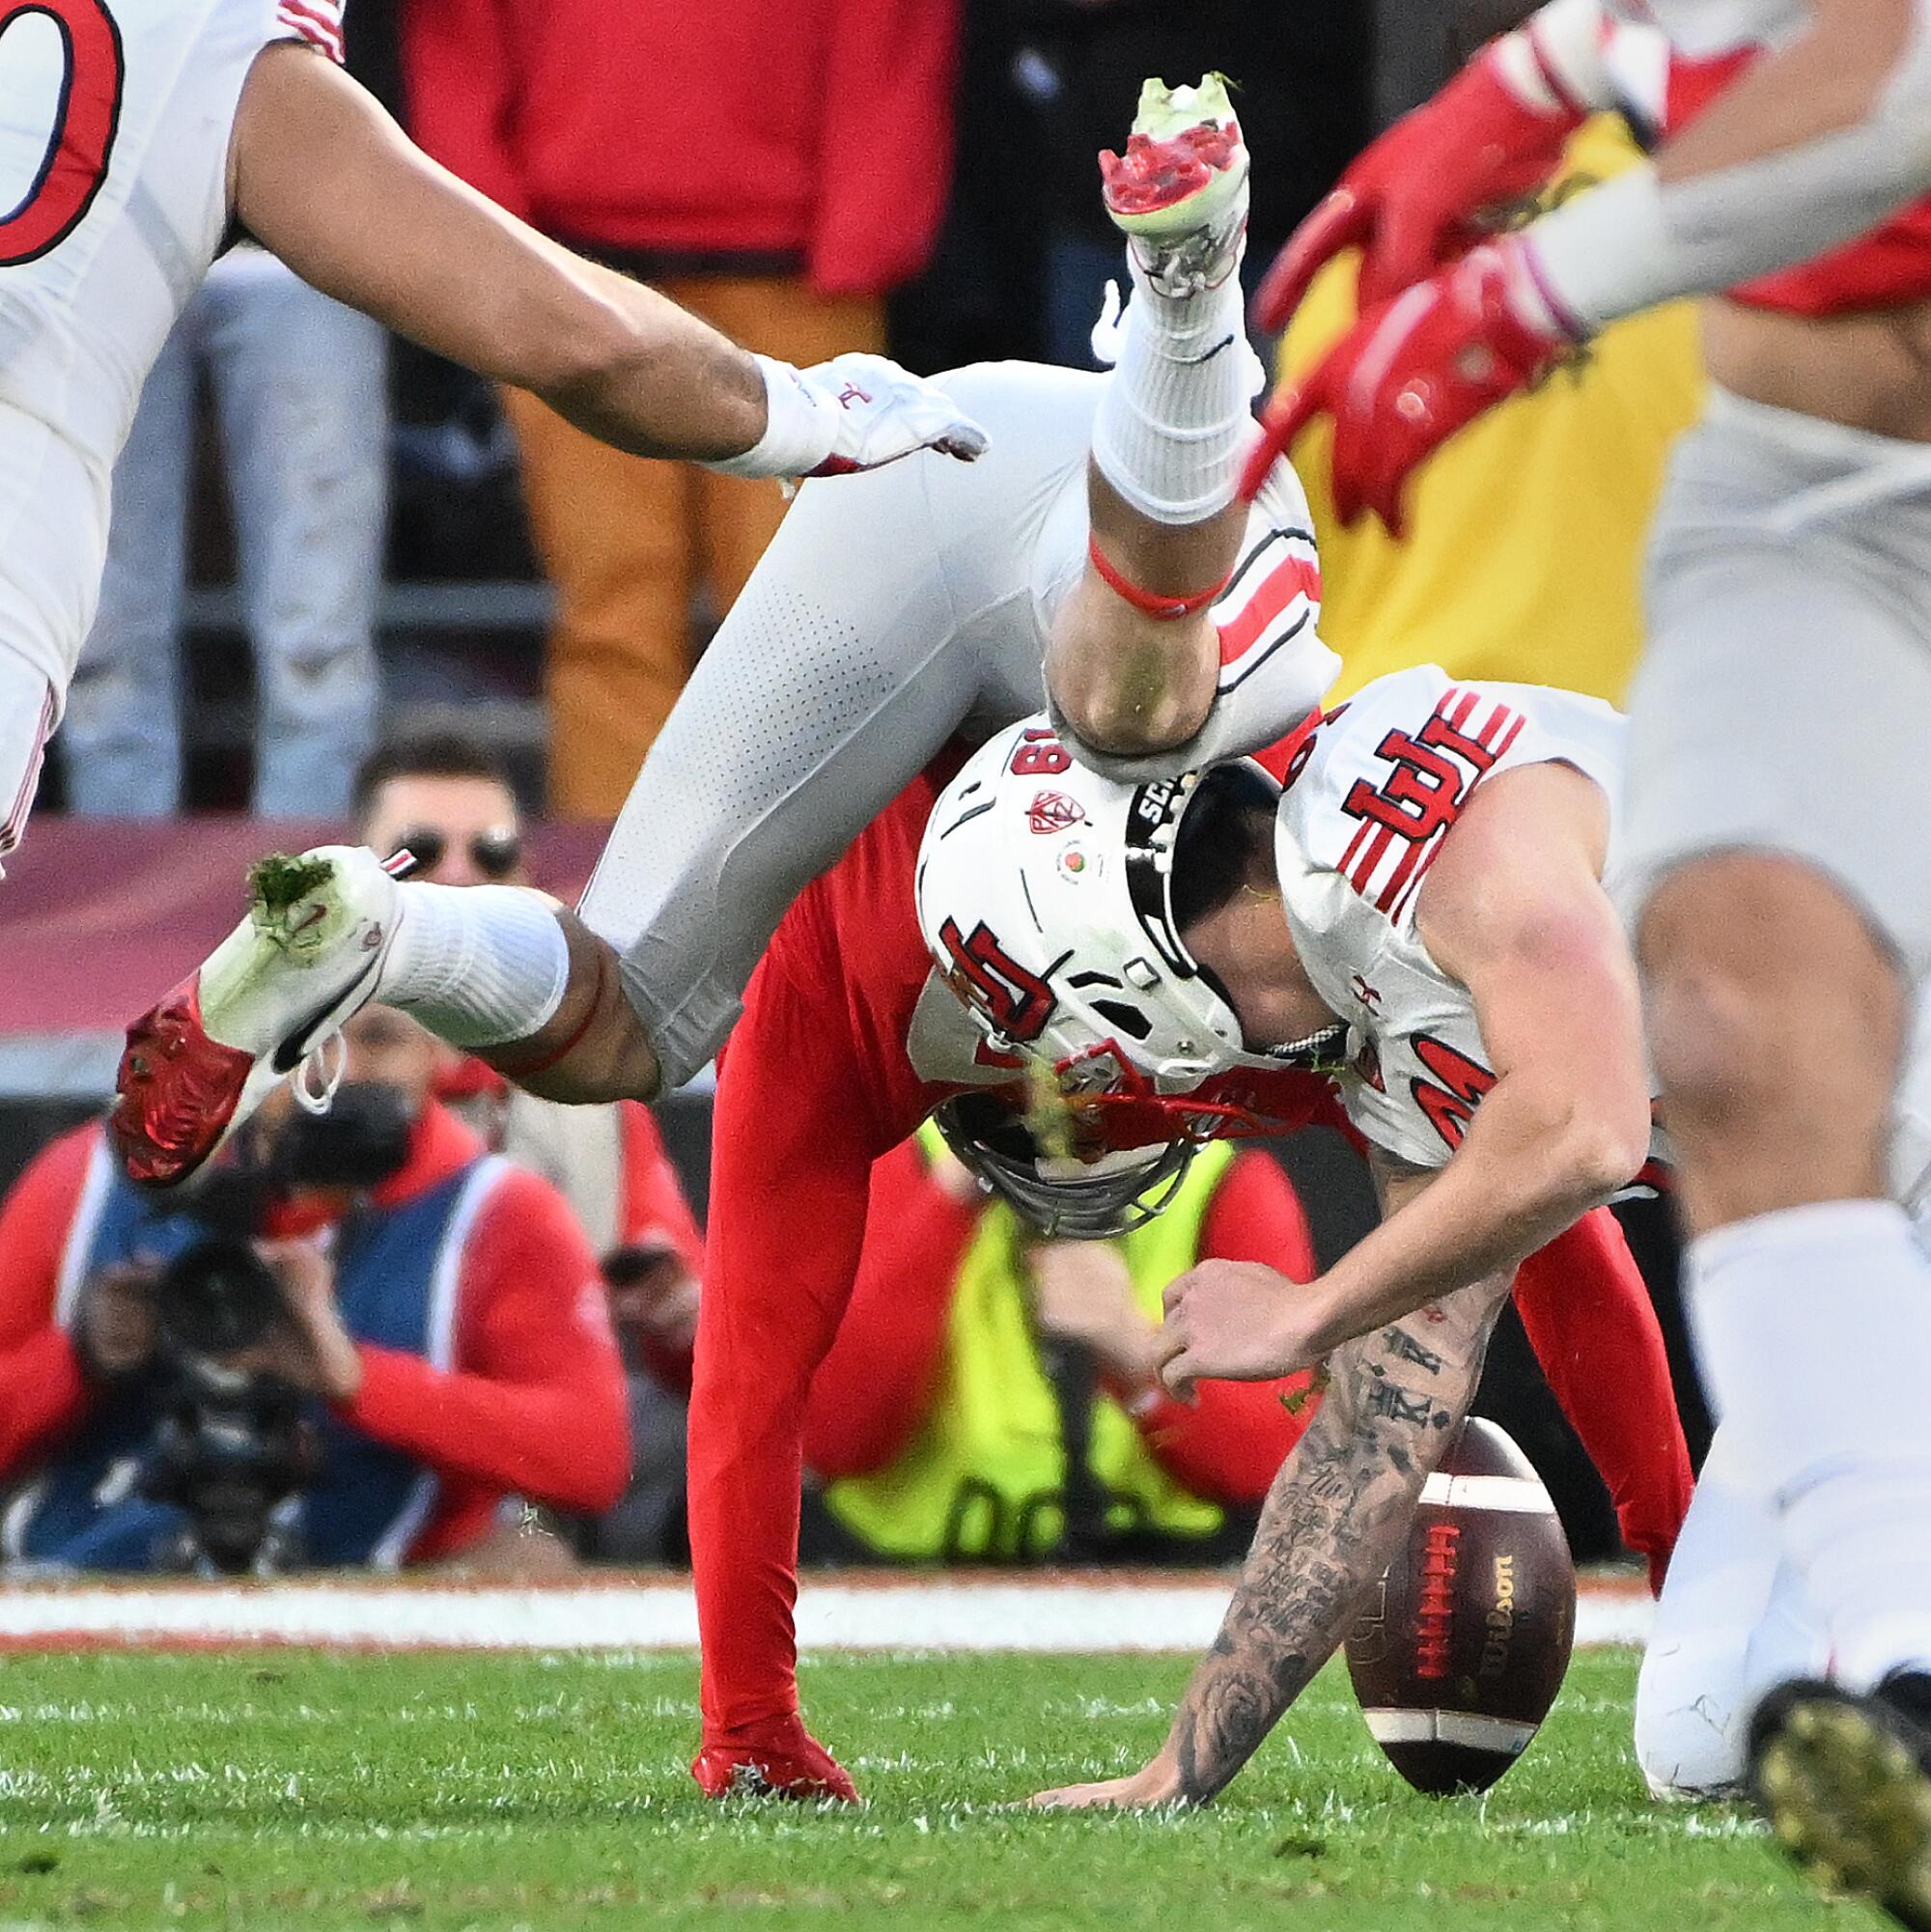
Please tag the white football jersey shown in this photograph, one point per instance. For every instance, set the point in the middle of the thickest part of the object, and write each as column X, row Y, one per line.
column 1369, row 799
column 115, row 123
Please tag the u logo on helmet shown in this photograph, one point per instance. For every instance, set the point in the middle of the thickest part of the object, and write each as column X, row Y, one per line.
column 1015, row 999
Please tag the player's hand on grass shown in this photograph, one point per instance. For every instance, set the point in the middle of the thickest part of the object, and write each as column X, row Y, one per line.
column 1231, row 1321
column 775, row 1758
column 1152, row 1785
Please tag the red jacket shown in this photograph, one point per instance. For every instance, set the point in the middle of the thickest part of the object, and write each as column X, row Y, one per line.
column 818, row 131
column 536, row 1405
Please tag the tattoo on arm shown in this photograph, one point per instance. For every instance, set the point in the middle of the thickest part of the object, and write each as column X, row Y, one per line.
column 1403, row 1348
column 1333, row 1521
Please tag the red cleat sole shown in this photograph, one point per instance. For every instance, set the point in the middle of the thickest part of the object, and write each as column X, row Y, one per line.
column 1155, row 175
column 178, row 1091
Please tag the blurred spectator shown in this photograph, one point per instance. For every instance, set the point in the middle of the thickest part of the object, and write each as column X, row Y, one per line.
column 775, row 168
column 360, row 1343
column 298, row 387
column 991, row 1396
column 449, row 802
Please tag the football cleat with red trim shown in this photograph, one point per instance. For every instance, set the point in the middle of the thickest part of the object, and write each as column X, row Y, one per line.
column 1180, row 191
column 264, row 1005
column 777, row 1758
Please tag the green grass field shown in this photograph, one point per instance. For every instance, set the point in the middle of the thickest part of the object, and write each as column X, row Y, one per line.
column 272, row 1789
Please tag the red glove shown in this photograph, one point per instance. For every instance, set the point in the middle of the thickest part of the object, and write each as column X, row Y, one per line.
column 1408, row 376
column 1407, row 201
column 774, row 1758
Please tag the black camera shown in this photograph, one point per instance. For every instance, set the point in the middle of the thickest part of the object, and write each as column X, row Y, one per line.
column 233, row 1445
column 236, row 1444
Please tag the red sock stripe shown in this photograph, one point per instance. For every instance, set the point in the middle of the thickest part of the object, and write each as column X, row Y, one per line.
column 575, row 1040
column 1152, row 603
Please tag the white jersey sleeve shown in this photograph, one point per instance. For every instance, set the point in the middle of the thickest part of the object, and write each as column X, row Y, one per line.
column 115, row 124
column 1275, row 669
column 1369, row 799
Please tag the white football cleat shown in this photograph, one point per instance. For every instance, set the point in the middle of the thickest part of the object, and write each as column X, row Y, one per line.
column 1179, row 192
column 272, row 995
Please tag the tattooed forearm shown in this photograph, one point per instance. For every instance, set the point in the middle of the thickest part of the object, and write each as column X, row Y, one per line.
column 1334, row 1519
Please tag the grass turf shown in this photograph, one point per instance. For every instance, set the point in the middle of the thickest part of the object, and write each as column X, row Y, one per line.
column 292, row 1789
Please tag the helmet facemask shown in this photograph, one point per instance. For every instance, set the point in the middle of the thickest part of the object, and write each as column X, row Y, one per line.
column 1061, row 1196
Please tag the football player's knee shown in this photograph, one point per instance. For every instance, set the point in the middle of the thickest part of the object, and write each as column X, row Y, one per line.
column 1752, row 963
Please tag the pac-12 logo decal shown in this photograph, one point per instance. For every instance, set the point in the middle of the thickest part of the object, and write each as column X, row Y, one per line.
column 1054, row 812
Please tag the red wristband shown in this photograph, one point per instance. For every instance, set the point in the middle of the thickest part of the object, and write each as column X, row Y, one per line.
column 1154, row 605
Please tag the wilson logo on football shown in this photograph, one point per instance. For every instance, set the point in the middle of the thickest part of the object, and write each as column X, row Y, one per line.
column 1054, row 812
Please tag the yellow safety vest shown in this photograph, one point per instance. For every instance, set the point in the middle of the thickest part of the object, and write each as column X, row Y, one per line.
column 985, row 1475
column 1525, row 531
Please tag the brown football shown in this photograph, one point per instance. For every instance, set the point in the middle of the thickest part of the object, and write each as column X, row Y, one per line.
column 1463, row 1644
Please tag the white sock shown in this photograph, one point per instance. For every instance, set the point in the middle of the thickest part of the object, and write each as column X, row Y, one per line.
column 477, row 965
column 1813, row 1328
column 1175, row 418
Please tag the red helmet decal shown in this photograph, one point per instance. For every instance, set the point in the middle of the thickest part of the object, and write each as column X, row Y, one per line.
column 1054, row 812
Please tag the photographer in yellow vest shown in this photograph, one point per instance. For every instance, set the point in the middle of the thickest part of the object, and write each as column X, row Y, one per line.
column 991, row 1396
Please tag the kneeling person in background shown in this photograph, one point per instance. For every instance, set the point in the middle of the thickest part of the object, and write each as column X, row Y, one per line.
column 361, row 1341
column 993, row 1396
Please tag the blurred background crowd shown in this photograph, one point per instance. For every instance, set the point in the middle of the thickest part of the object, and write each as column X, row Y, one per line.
column 350, row 585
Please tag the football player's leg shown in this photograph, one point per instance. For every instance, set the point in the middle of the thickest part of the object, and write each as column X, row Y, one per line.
column 500, row 970
column 1733, row 1621
column 1586, row 1312
column 1784, row 885
column 792, row 1168
column 840, row 672
column 1133, row 660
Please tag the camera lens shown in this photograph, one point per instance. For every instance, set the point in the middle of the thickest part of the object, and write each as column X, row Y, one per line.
column 217, row 1296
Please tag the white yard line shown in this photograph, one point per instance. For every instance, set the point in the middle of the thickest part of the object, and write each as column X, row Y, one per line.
column 941, row 1614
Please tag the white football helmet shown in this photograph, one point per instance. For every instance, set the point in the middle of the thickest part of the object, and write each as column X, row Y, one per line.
column 1046, row 895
